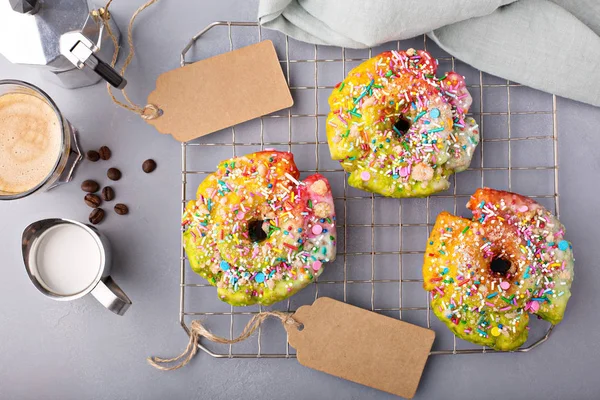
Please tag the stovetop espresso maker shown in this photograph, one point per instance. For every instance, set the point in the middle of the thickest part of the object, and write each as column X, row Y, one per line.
column 67, row 39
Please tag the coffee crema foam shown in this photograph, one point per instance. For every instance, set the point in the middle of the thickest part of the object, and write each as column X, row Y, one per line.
column 30, row 141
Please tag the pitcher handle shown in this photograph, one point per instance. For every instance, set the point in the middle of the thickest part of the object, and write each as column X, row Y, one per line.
column 111, row 296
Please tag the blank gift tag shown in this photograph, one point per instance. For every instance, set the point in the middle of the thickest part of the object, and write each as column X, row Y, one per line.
column 361, row 346
column 220, row 92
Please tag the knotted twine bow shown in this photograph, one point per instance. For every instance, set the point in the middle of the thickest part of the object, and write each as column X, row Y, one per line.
column 149, row 111
column 198, row 331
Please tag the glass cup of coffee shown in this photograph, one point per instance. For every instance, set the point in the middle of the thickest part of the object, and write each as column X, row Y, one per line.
column 38, row 146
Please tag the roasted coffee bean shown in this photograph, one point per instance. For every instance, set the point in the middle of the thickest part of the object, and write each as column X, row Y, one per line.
column 149, row 166
column 105, row 153
column 96, row 216
column 93, row 155
column 90, row 186
column 113, row 174
column 108, row 193
column 121, row 209
column 92, row 200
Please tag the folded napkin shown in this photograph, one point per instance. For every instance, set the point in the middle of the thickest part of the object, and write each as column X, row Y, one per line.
column 550, row 45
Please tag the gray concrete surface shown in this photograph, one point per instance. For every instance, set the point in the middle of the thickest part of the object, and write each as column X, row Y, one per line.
column 77, row 350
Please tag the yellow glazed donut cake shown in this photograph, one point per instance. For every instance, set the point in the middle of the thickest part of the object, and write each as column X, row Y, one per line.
column 397, row 129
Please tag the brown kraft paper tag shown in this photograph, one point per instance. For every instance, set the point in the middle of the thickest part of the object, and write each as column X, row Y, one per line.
column 219, row 92
column 361, row 346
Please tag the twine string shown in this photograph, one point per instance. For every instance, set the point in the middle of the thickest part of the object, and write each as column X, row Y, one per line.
column 197, row 331
column 149, row 111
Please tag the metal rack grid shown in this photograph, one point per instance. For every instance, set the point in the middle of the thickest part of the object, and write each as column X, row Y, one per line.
column 374, row 269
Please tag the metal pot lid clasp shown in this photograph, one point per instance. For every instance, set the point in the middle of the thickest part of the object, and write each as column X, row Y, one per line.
column 80, row 51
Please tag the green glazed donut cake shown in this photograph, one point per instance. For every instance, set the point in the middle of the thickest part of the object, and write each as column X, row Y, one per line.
column 397, row 129
column 486, row 275
column 257, row 232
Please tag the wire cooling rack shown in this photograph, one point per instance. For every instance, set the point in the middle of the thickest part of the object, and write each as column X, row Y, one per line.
column 381, row 241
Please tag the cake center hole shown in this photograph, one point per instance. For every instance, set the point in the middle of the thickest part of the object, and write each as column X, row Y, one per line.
column 500, row 266
column 256, row 232
column 402, row 126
